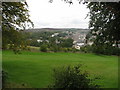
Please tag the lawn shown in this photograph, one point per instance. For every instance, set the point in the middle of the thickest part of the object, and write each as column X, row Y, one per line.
column 35, row 68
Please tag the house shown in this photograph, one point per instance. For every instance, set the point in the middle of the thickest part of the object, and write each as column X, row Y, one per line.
column 77, row 45
column 55, row 34
column 39, row 40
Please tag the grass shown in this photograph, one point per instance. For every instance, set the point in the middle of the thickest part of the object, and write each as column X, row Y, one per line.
column 35, row 68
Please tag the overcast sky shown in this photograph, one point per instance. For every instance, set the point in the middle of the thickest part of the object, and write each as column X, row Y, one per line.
column 58, row 14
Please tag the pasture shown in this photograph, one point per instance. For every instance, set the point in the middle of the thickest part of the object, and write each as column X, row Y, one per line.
column 35, row 68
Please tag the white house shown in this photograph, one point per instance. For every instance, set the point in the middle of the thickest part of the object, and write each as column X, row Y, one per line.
column 78, row 45
column 55, row 34
column 39, row 40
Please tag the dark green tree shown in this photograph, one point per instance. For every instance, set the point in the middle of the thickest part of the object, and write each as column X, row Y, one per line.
column 67, row 42
column 104, row 22
column 15, row 17
column 105, row 26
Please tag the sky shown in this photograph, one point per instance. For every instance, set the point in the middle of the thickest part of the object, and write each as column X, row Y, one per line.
column 58, row 14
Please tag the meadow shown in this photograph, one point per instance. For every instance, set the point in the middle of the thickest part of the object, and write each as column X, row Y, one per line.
column 35, row 68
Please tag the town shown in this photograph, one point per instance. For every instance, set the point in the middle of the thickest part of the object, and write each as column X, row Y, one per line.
column 77, row 35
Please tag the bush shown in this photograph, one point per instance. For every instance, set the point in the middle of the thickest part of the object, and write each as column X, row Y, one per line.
column 43, row 48
column 105, row 49
column 101, row 49
column 86, row 49
column 71, row 77
column 65, row 49
column 4, row 77
column 74, row 50
column 55, row 48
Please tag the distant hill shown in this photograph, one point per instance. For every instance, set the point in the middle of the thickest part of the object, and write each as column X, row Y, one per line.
column 54, row 29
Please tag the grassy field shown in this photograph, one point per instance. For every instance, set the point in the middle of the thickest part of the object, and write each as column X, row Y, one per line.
column 35, row 68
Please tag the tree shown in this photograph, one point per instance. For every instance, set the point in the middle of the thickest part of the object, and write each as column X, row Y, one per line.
column 105, row 26
column 67, row 42
column 104, row 22
column 15, row 17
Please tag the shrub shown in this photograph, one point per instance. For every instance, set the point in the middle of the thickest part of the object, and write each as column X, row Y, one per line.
column 86, row 49
column 74, row 50
column 43, row 48
column 65, row 49
column 101, row 49
column 71, row 77
column 55, row 48
column 106, row 49
column 4, row 77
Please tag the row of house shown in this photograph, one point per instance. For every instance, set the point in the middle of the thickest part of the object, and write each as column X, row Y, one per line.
column 79, row 39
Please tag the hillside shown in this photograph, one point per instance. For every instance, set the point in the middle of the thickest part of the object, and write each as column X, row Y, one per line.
column 55, row 29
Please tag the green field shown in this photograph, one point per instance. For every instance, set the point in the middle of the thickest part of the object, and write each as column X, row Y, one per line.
column 35, row 68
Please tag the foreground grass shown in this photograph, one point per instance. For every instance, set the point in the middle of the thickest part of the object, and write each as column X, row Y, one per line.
column 35, row 69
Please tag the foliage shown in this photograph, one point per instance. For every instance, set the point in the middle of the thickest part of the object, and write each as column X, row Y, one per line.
column 72, row 77
column 34, row 42
column 15, row 17
column 105, row 49
column 104, row 22
column 86, row 49
column 67, row 42
column 54, row 48
column 4, row 78
column 43, row 48
column 101, row 49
